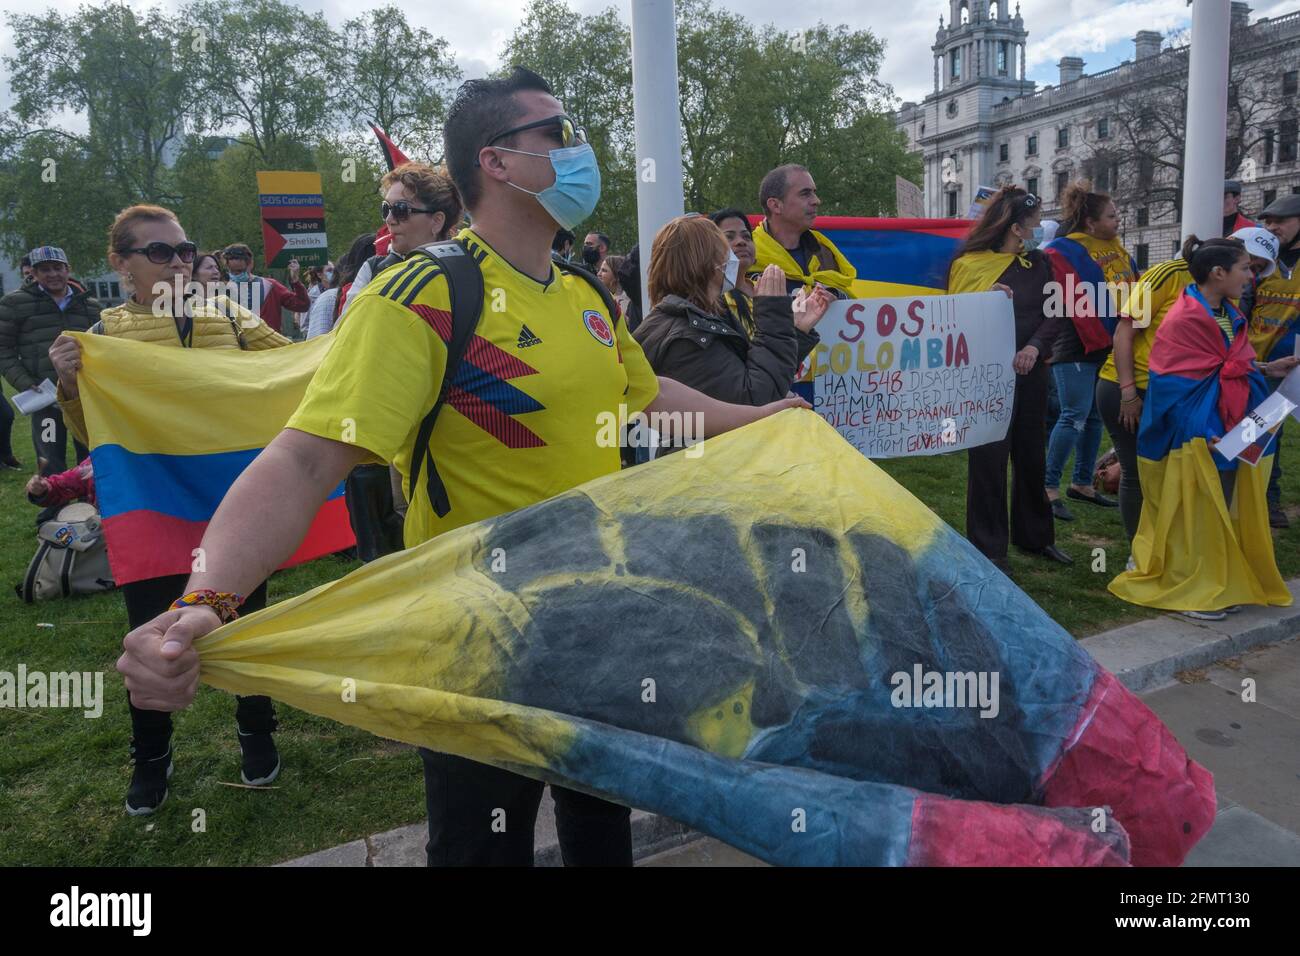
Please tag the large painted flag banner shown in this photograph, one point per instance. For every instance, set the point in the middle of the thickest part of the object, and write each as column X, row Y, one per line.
column 171, row 429
column 915, row 376
column 830, row 678
column 293, row 218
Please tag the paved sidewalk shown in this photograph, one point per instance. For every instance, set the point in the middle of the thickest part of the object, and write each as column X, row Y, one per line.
column 1253, row 749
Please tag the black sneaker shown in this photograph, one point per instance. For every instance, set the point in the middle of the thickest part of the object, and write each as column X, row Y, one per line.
column 12, row 463
column 148, row 787
column 1277, row 517
column 261, row 761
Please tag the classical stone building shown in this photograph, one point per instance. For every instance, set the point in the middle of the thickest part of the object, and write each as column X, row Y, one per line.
column 986, row 125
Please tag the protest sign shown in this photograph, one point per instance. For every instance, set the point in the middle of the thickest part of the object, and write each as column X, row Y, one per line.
column 293, row 218
column 981, row 201
column 1249, row 439
column 915, row 375
column 909, row 201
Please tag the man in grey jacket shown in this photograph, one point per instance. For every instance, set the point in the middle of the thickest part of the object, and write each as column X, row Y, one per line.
column 31, row 318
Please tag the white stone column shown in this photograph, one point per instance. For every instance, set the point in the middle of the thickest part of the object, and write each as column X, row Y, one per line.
column 657, row 124
column 1207, row 109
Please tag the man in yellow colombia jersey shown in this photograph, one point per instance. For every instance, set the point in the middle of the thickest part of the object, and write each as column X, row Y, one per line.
column 520, row 425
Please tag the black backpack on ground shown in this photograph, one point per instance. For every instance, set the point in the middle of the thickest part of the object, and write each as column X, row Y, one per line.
column 375, row 521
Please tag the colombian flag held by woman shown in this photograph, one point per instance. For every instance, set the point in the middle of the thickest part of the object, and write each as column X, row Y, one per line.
column 1193, row 551
column 171, row 429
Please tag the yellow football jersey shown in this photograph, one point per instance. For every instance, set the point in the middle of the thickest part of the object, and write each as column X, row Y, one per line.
column 1148, row 300
column 523, row 414
column 1273, row 316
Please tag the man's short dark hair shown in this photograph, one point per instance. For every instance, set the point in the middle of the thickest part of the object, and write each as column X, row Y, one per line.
column 602, row 239
column 562, row 238
column 776, row 183
column 25, row 261
column 481, row 109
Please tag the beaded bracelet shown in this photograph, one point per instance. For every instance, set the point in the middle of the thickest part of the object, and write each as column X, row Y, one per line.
column 225, row 603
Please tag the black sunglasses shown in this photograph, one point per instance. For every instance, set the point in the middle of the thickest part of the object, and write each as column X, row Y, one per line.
column 400, row 210
column 571, row 134
column 160, row 253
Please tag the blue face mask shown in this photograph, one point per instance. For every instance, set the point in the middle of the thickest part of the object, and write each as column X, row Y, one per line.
column 576, row 190
column 1036, row 240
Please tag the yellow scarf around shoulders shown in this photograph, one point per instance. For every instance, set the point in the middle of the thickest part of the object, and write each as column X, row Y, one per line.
column 978, row 271
column 837, row 275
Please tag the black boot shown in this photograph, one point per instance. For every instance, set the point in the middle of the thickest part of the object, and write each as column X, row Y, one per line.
column 260, row 760
column 148, row 787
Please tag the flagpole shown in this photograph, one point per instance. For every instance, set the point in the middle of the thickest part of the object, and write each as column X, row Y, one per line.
column 658, row 125
column 1207, row 123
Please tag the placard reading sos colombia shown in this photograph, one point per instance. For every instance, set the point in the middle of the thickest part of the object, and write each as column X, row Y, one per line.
column 915, row 375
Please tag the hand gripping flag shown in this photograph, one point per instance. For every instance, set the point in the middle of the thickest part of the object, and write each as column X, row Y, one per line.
column 171, row 429
column 710, row 640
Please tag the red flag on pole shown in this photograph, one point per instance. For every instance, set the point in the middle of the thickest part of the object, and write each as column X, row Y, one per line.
column 393, row 157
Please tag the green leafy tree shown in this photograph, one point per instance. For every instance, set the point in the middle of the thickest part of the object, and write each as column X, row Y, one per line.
column 43, row 177
column 265, row 69
column 588, row 62
column 126, row 72
column 398, row 77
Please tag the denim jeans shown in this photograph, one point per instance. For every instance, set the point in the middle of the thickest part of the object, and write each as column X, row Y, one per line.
column 1078, row 430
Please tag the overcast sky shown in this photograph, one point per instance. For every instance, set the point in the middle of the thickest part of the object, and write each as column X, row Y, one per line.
column 1100, row 31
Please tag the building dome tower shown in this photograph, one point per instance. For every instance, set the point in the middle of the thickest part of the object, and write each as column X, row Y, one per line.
column 979, row 61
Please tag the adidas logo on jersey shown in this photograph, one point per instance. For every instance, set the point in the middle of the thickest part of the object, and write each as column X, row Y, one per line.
column 526, row 338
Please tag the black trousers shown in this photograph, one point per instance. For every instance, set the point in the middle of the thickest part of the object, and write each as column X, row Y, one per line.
column 151, row 730
column 1126, row 449
column 482, row 816
column 1025, row 446
column 55, row 451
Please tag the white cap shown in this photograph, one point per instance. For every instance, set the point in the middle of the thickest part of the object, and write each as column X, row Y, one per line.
column 1260, row 242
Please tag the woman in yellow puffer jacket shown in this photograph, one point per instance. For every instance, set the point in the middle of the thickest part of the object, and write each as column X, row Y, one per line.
column 148, row 247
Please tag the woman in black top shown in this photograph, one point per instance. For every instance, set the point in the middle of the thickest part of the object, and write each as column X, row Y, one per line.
column 996, row 255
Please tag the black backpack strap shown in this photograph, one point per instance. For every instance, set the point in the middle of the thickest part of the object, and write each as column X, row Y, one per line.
column 465, row 291
column 568, row 268
column 379, row 263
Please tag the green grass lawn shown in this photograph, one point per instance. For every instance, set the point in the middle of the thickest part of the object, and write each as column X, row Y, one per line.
column 63, row 778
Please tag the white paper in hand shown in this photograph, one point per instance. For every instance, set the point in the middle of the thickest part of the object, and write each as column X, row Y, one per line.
column 45, row 395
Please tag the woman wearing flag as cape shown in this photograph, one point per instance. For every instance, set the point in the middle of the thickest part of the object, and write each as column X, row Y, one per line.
column 999, row 254
column 1203, row 545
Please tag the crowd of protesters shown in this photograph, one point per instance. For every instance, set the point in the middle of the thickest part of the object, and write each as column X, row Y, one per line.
column 1087, row 324
column 733, row 305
